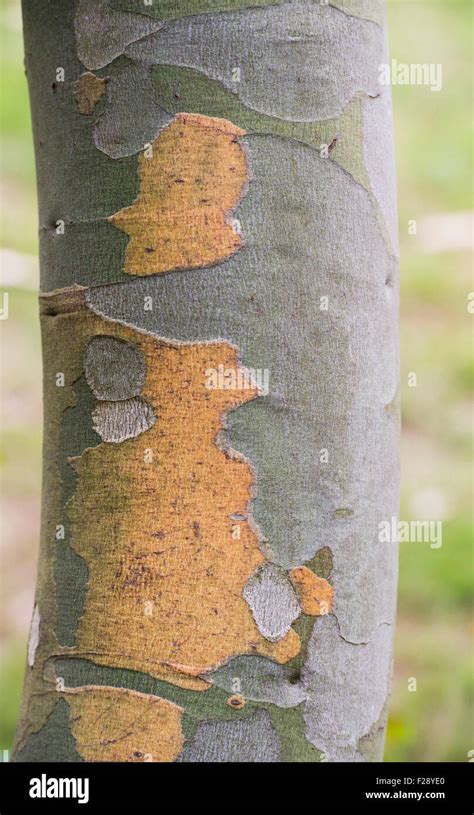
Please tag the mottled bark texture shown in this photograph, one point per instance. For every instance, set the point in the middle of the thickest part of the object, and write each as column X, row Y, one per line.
column 217, row 206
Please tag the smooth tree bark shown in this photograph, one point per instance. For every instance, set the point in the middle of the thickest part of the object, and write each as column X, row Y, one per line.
column 219, row 307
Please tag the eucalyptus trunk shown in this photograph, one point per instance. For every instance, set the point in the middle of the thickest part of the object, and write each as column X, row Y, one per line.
column 219, row 307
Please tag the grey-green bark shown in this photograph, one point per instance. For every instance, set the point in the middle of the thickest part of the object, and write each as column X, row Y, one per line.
column 312, row 296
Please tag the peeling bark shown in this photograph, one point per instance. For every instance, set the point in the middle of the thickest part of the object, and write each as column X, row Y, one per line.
column 217, row 200
column 88, row 91
column 190, row 183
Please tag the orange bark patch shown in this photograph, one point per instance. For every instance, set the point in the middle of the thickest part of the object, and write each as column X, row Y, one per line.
column 87, row 91
column 194, row 177
column 315, row 593
column 115, row 724
column 154, row 519
column 236, row 702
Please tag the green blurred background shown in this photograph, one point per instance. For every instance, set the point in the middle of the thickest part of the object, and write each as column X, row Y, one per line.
column 433, row 142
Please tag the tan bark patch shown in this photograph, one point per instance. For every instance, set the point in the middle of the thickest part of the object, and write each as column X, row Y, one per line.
column 88, row 89
column 115, row 724
column 315, row 593
column 154, row 519
column 194, row 177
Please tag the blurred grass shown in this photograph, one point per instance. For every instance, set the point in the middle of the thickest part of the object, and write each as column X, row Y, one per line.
column 434, row 164
column 433, row 136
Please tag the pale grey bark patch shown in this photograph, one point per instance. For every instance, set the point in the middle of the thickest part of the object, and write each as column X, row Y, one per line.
column 119, row 421
column 252, row 738
column 259, row 680
column 282, row 53
column 102, row 33
column 379, row 158
column 132, row 117
column 347, row 687
column 34, row 636
column 272, row 600
column 371, row 745
column 332, row 372
column 114, row 369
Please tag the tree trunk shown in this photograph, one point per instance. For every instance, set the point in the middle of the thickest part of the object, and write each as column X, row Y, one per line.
column 219, row 316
